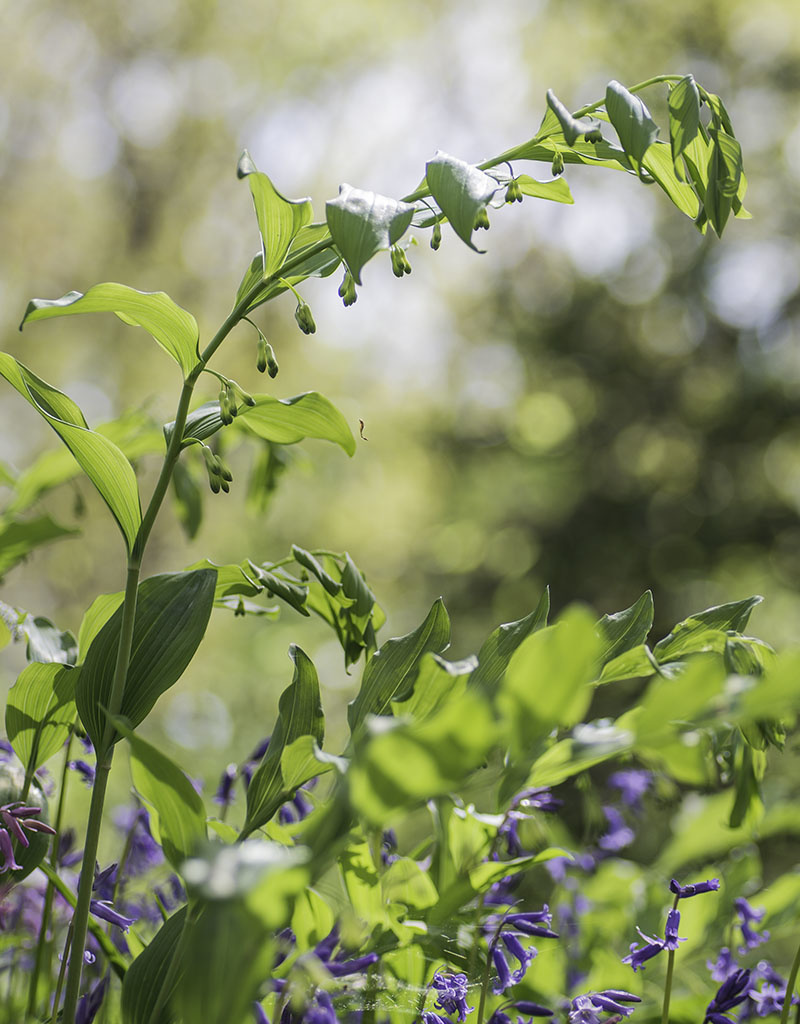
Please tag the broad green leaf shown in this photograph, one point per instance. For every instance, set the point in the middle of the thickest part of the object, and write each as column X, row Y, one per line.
column 631, row 120
column 776, row 694
column 19, row 537
column 724, row 177
column 299, row 714
column 162, row 784
column 39, row 712
column 600, row 154
column 282, row 586
column 96, row 616
column 99, row 458
column 684, row 117
column 231, row 579
column 670, row 705
column 302, row 759
column 363, row 223
column 287, row 420
column 279, row 219
column 172, row 613
column 405, row 882
column 570, row 126
column 438, row 681
column 390, row 672
column 588, row 745
column 152, row 968
column 47, row 642
column 632, row 664
column 690, row 634
column 461, row 191
column 308, row 561
column 624, row 630
column 200, row 424
column 498, row 648
column 658, row 161
column 173, row 328
column 311, row 254
column 556, row 190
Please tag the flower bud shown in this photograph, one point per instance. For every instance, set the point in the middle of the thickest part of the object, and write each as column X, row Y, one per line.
column 397, row 261
column 224, row 407
column 245, row 396
column 593, row 135
column 272, row 362
column 222, row 470
column 305, row 321
column 231, row 401
column 513, row 192
column 482, row 220
column 436, row 237
column 558, row 164
column 347, row 289
column 262, row 357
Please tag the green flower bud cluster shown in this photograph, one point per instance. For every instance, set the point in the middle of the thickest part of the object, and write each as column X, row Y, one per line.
column 400, row 264
column 593, row 135
column 482, row 220
column 436, row 237
column 558, row 164
column 219, row 476
column 227, row 404
column 347, row 289
column 305, row 321
column 513, row 192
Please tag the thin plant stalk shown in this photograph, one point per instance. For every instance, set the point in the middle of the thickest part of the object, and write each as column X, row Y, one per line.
column 668, row 979
column 790, row 985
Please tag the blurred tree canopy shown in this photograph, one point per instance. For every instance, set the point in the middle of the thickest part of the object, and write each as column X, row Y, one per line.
column 605, row 402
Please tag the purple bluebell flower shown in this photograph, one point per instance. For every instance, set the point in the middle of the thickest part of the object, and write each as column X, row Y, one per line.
column 144, row 852
column 501, row 893
column 508, row 929
column 451, row 994
column 429, row 1017
column 522, row 1006
column 730, row 994
column 671, row 937
column 254, row 760
column 260, row 1014
column 321, row 1010
column 747, row 916
column 18, row 819
column 299, row 807
column 723, row 966
column 105, row 882
column 388, row 847
column 336, row 964
column 632, row 784
column 85, row 770
column 683, row 892
column 537, row 799
column 619, row 834
column 224, row 793
column 653, row 946
column 586, row 1008
column 103, row 910
column 89, row 1004
column 768, row 999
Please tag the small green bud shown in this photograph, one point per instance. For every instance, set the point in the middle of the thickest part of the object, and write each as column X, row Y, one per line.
column 513, row 192
column 231, row 402
column 239, row 609
column 222, row 470
column 436, row 237
column 262, row 357
column 305, row 321
column 272, row 362
column 558, row 164
column 225, row 407
column 397, row 261
column 482, row 220
column 594, row 135
column 245, row 396
column 226, row 487
column 347, row 289
column 214, row 483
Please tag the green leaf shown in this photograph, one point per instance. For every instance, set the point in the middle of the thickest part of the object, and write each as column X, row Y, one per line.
column 173, row 328
column 39, row 712
column 172, row 613
column 299, row 714
column 669, row 706
column 287, row 420
column 556, row 190
column 231, row 579
column 589, row 745
column 497, row 650
column 405, row 882
column 390, row 672
column 146, row 976
column 96, row 616
column 312, row 255
column 624, row 630
column 99, row 458
column 461, row 191
column 632, row 664
column 684, row 117
column 691, row 634
column 308, row 561
column 631, row 119
column 279, row 219
column 47, row 642
column 658, row 161
column 363, row 223
column 438, row 681
column 724, row 177
column 570, row 126
column 302, row 759
column 19, row 537
column 162, row 784
column 283, row 586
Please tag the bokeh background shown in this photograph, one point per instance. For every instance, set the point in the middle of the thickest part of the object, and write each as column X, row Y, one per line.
column 604, row 402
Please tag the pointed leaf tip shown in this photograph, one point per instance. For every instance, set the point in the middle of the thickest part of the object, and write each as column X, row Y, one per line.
column 462, row 192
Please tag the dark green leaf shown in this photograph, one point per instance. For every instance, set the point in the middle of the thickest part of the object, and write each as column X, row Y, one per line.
column 188, row 499
column 556, row 190
column 99, row 458
column 624, row 630
column 283, row 586
column 201, row 423
column 391, row 671
column 461, row 190
column 40, row 711
column 690, row 634
column 496, row 652
column 299, row 714
column 146, row 976
column 173, row 328
column 355, row 587
column 302, row 759
column 279, row 219
column 231, row 579
column 684, row 116
column 308, row 561
column 724, row 178
column 363, row 223
column 570, row 126
column 631, row 119
column 19, row 537
column 172, row 613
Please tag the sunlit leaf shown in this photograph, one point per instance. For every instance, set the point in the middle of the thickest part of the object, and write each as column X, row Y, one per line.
column 557, row 190
column 496, row 652
column 364, row 223
column 173, row 328
column 570, row 126
column 438, row 682
column 150, row 971
column 100, row 459
column 690, row 634
column 658, row 161
column 231, row 579
column 309, row 562
column 39, row 712
column 287, row 420
column 684, row 116
column 629, row 628
column 631, row 119
column 632, row 664
column 461, row 190
column 724, row 177
column 46, row 642
column 21, row 536
column 405, row 882
column 589, row 745
column 96, row 616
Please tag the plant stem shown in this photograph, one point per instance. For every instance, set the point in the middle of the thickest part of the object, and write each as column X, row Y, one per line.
column 790, row 985
column 668, row 979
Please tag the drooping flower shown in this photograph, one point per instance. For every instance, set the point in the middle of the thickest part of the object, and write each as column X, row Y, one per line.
column 671, row 937
column 85, row 770
column 731, row 993
column 586, row 1008
column 619, row 834
column 334, row 960
column 521, row 1006
column 452, row 994
column 683, row 892
column 638, row 956
column 224, row 793
column 144, row 852
column 89, row 1004
column 723, row 966
column 508, row 930
column 103, row 910
column 747, row 916
column 18, row 819
column 632, row 784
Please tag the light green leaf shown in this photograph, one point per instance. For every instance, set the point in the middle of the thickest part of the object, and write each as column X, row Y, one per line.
column 624, row 630
column 658, row 161
column 96, row 616
column 461, row 191
column 40, row 711
column 172, row 613
column 498, row 648
column 632, row 664
column 302, row 759
column 287, row 420
column 231, row 579
column 279, row 219
column 173, row 328
column 570, row 126
column 600, row 154
column 363, row 223
column 19, row 537
column 670, row 706
column 724, row 178
column 308, row 561
column 311, row 254
column 482, row 876
column 405, row 882
column 589, row 745
column 556, row 190
column 46, row 642
column 299, row 714
column 162, row 784
column 146, row 976
column 390, row 672
column 684, row 117
column 631, row 119
column 691, row 634
column 99, row 458
column 283, row 586
column 438, row 682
